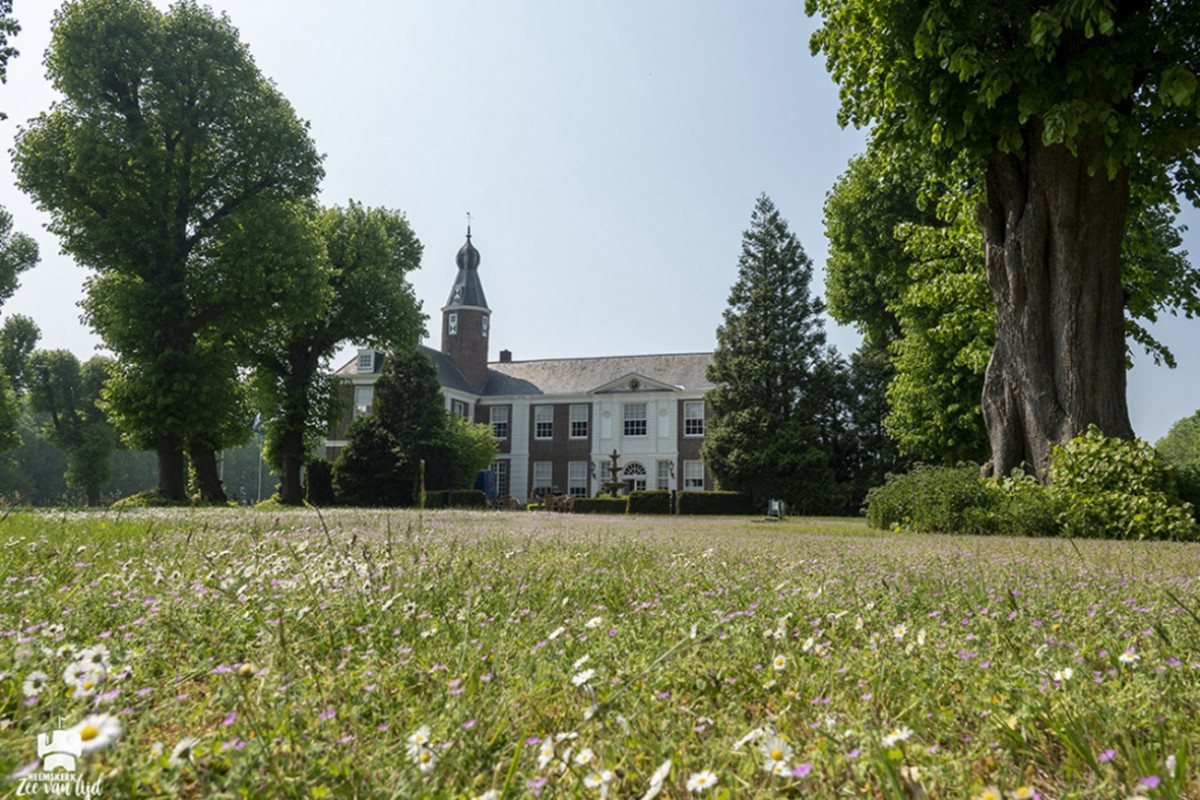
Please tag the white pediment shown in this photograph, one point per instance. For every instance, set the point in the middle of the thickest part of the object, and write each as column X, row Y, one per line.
column 634, row 382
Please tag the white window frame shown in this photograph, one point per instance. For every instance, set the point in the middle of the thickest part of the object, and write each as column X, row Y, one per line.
column 635, row 475
column 577, row 478
column 500, row 470
column 693, row 476
column 543, row 475
column 579, row 421
column 365, row 365
column 485, row 325
column 452, row 323
column 663, row 475
column 693, row 423
column 498, row 416
column 460, row 408
column 543, row 422
column 633, row 420
column 364, row 398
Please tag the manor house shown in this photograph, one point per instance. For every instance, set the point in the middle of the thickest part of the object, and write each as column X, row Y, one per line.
column 558, row 421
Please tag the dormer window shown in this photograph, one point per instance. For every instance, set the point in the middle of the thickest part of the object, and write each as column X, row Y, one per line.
column 366, row 362
column 452, row 324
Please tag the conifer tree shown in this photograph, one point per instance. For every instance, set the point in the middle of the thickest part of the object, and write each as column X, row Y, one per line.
column 771, row 371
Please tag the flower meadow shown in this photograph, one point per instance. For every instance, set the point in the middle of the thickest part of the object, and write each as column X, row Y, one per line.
column 455, row 654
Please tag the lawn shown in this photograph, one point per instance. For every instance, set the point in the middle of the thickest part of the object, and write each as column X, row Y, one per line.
column 235, row 653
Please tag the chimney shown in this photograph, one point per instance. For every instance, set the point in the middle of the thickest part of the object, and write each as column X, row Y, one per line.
column 506, row 356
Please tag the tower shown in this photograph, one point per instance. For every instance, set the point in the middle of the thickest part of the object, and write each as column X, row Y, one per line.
column 466, row 318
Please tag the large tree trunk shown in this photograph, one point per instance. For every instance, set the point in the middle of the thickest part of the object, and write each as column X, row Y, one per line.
column 302, row 367
column 291, row 457
column 204, row 459
column 172, row 482
column 1053, row 237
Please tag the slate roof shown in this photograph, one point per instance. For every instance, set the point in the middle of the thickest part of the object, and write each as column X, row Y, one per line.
column 569, row 375
column 578, row 375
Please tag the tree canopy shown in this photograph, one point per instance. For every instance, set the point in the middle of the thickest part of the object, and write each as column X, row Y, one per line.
column 69, row 393
column 408, row 424
column 156, row 148
column 1055, row 110
column 358, row 260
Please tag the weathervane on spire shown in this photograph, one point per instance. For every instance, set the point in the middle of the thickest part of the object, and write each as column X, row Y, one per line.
column 468, row 224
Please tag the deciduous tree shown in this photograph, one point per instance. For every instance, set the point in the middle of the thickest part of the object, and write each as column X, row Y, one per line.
column 356, row 261
column 155, row 148
column 1061, row 107
column 69, row 392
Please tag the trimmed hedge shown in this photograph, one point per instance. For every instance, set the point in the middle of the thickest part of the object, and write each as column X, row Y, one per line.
column 455, row 498
column 657, row 501
column 600, row 505
column 466, row 498
column 729, row 503
column 436, row 498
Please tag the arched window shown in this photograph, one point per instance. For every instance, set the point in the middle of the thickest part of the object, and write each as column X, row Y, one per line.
column 635, row 477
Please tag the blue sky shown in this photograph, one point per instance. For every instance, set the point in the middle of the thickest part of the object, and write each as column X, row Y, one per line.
column 610, row 154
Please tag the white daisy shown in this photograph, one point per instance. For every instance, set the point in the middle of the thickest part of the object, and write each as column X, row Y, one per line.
column 1063, row 674
column 1129, row 656
column 921, row 637
column 776, row 753
column 583, row 677
column 594, row 622
column 585, row 756
column 35, row 683
column 425, row 759
column 82, row 678
column 899, row 631
column 808, row 644
column 97, row 655
column 97, row 731
column 898, row 734
column 656, row 780
column 779, row 663
column 420, row 738
column 545, row 754
column 579, row 662
column 701, row 781
column 595, row 780
column 183, row 751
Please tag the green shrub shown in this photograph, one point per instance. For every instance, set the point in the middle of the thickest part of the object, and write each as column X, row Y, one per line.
column 729, row 503
column 437, row 498
column 1117, row 489
column 318, row 483
column 466, row 498
column 933, row 499
column 1022, row 507
column 1187, row 480
column 651, row 502
column 600, row 505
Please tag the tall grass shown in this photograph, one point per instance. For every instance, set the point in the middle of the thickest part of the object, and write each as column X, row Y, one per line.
column 453, row 654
